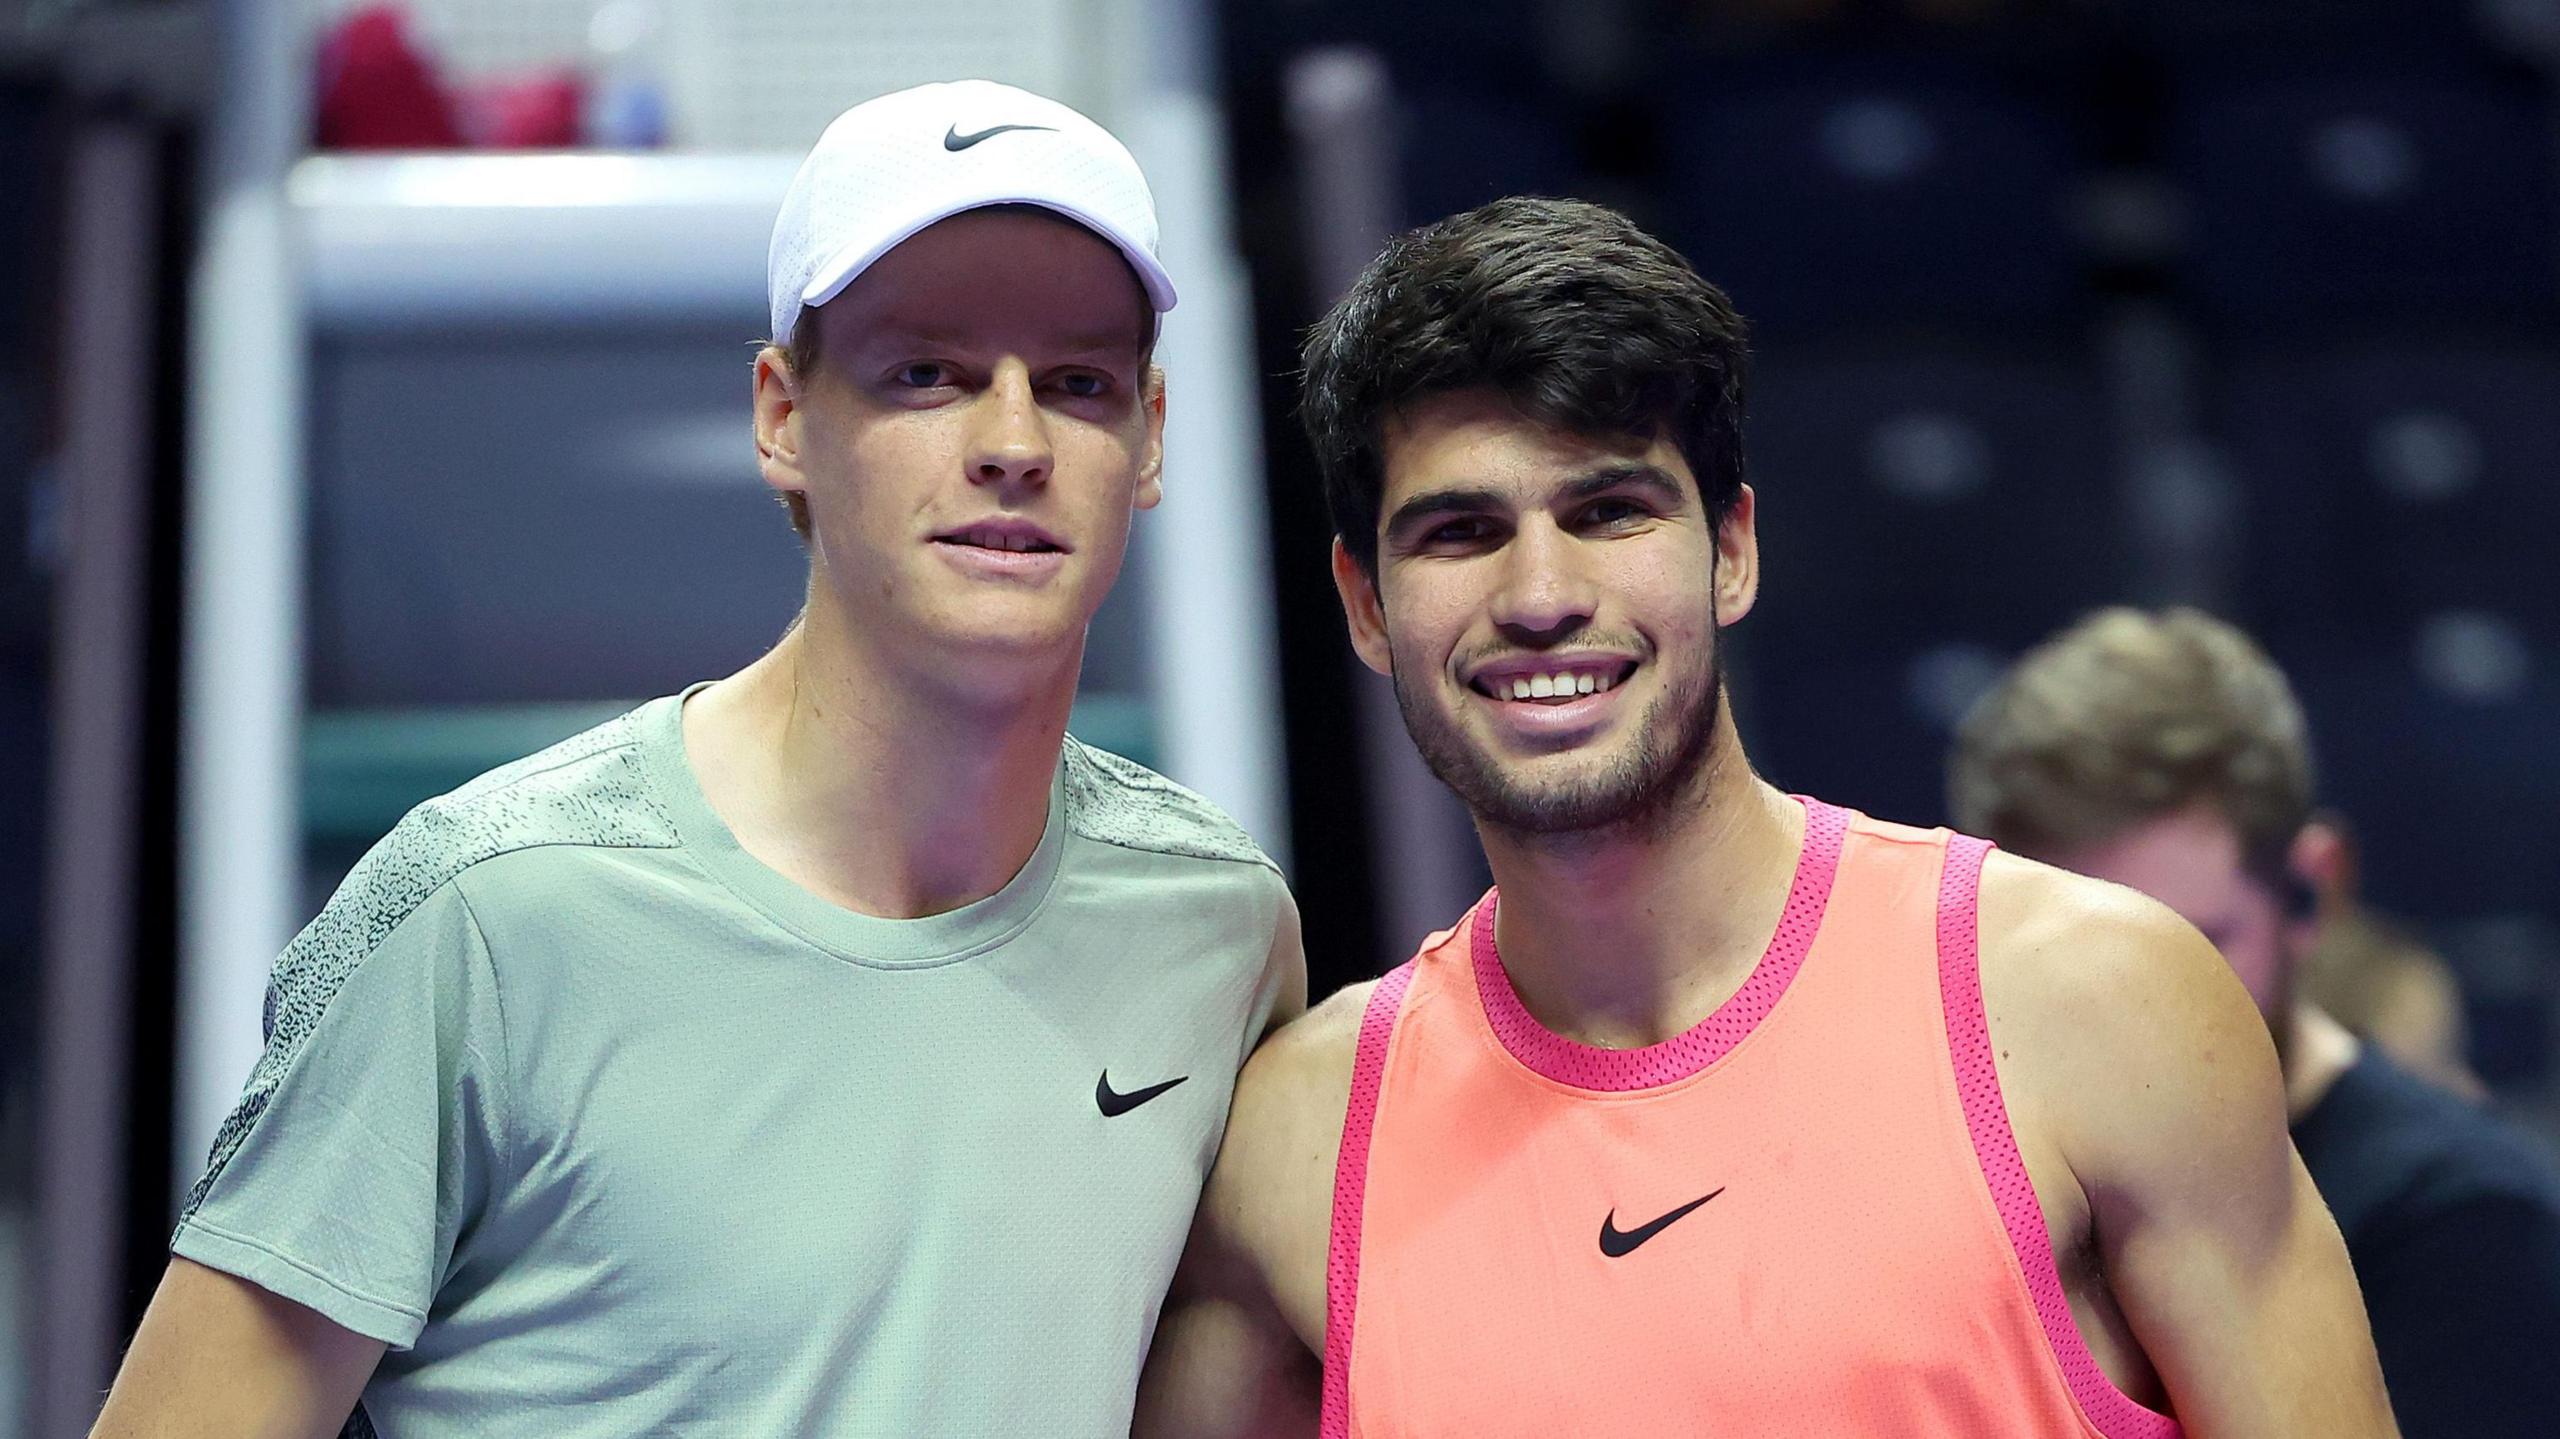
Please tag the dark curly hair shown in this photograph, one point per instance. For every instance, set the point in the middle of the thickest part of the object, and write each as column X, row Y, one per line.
column 1581, row 319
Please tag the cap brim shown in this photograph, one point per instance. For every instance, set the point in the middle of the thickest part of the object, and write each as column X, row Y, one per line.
column 847, row 265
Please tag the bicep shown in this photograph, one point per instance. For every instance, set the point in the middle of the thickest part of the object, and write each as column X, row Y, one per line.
column 2247, row 1307
column 219, row 1356
column 1229, row 1361
column 1224, row 1367
column 2217, row 1247
column 1225, row 1364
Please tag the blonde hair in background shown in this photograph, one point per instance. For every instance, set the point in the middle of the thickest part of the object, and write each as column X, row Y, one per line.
column 2129, row 715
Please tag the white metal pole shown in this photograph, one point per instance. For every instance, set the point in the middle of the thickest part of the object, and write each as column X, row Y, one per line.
column 239, row 838
column 1213, row 628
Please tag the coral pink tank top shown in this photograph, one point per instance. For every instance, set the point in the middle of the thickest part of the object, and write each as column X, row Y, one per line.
column 1806, row 1215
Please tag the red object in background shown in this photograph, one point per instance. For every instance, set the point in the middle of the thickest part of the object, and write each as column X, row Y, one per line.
column 538, row 112
column 378, row 91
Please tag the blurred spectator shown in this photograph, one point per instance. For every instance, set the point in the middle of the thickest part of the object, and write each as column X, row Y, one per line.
column 2166, row 752
column 2374, row 976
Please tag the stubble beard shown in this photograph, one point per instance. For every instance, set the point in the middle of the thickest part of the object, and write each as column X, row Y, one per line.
column 1653, row 780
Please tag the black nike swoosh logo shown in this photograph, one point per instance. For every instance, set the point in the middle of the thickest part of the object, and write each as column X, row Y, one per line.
column 956, row 142
column 1113, row 1104
column 1613, row 1243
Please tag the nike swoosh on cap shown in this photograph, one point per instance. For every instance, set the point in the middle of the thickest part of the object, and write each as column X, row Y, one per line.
column 955, row 142
column 1615, row 1243
column 1113, row 1104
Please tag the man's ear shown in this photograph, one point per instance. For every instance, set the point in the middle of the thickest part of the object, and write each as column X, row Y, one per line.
column 2324, row 855
column 777, row 418
column 1362, row 611
column 1151, row 458
column 1737, row 580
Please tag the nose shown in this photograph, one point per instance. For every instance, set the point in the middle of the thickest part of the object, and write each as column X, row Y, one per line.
column 1008, row 440
column 1545, row 595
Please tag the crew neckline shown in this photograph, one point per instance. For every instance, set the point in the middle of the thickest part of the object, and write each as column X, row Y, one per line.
column 849, row 934
column 1572, row 1063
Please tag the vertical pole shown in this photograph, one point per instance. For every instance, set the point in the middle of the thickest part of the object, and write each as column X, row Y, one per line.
column 242, row 683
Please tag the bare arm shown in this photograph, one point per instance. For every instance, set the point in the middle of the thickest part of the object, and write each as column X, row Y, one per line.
column 220, row 1358
column 1236, row 1354
column 2160, row 1081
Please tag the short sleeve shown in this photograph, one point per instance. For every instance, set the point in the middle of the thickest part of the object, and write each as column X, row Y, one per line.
column 373, row 1128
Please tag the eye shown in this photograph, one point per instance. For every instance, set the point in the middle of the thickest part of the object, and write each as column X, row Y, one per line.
column 1464, row 531
column 1613, row 510
column 1084, row 384
column 922, row 375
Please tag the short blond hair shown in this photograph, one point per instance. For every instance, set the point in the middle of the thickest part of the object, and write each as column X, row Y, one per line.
column 2126, row 716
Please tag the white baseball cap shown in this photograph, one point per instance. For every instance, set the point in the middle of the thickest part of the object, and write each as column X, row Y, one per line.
column 889, row 167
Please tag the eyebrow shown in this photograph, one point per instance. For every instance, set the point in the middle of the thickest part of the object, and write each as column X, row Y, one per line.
column 1464, row 500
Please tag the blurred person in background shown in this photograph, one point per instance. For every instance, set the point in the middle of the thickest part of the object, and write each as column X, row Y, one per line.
column 837, row 1048
column 2369, row 973
column 1692, row 1124
column 2166, row 752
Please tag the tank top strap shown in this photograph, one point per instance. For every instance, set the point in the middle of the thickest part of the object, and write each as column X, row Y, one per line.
column 1350, row 1186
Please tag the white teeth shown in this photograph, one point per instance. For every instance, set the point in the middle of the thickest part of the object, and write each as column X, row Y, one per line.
column 1563, row 684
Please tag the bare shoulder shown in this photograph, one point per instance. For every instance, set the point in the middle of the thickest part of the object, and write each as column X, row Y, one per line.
column 2117, row 1024
column 2066, row 943
column 1293, row 1092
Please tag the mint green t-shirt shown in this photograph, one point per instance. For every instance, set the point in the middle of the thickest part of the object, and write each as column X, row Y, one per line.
column 608, row 1129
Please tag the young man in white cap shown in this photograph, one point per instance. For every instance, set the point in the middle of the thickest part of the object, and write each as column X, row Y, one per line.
column 837, row 1048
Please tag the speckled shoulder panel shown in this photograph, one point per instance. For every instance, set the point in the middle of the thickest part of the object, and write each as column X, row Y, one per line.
column 589, row 789
column 1119, row 802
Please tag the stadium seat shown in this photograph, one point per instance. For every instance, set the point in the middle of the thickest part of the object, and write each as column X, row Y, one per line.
column 1915, row 490
column 1850, row 193
column 2434, row 737
column 1459, row 151
column 1870, row 730
column 2392, row 477
column 2365, row 192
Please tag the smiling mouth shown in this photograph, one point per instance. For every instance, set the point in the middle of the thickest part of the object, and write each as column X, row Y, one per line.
column 1563, row 683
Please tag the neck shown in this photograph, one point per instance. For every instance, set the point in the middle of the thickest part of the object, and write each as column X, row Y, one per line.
column 2314, row 1050
column 1624, row 940
column 892, row 789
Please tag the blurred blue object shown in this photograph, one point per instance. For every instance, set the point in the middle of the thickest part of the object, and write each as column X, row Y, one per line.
column 2368, row 190
column 2207, row 29
column 1856, row 192
column 1449, row 37
column 504, row 519
column 2434, row 737
column 1460, row 150
column 1866, row 729
column 2392, row 478
column 1914, row 490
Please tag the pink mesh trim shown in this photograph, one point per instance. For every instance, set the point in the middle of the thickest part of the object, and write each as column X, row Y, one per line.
column 1350, row 1188
column 1978, row 1081
column 1587, row 1066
